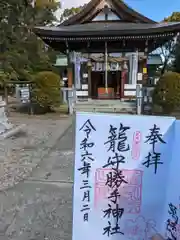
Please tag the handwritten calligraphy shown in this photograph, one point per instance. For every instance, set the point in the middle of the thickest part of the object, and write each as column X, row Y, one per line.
column 86, row 158
column 117, row 145
column 154, row 157
column 172, row 223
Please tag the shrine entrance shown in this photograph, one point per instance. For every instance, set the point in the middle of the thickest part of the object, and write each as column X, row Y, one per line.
column 113, row 91
column 100, row 29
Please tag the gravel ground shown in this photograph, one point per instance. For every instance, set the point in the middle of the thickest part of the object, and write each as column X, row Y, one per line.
column 20, row 154
column 40, row 208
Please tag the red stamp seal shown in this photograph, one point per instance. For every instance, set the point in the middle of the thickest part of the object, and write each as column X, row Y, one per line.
column 139, row 228
column 131, row 193
column 136, row 145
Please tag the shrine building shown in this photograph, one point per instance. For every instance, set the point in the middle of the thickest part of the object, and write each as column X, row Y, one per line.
column 107, row 45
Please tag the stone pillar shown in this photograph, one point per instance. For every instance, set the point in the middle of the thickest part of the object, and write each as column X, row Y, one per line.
column 130, row 68
column 139, row 99
column 6, row 128
column 134, row 70
column 77, row 68
column 70, row 83
column 4, row 122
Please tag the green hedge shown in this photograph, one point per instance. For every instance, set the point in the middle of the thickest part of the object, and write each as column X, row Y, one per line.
column 167, row 92
column 46, row 91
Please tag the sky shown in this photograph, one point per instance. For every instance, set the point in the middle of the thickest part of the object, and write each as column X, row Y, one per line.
column 154, row 9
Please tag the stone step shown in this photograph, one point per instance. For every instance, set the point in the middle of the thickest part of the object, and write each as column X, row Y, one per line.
column 106, row 106
column 104, row 109
column 107, row 103
column 118, row 106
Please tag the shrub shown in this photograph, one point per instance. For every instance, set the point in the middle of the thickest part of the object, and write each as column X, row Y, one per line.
column 167, row 92
column 46, row 91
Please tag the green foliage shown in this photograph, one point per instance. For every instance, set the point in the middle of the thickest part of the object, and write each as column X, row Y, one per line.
column 68, row 12
column 21, row 53
column 175, row 17
column 168, row 49
column 46, row 3
column 176, row 62
column 174, row 49
column 167, row 92
column 46, row 92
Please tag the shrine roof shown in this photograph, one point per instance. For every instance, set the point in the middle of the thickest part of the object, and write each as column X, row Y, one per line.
column 105, row 29
column 94, row 6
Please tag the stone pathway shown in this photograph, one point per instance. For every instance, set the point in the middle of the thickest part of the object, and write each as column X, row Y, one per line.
column 19, row 155
column 40, row 208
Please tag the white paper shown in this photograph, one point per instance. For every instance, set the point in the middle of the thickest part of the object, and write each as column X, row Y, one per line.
column 172, row 207
column 139, row 77
column 143, row 198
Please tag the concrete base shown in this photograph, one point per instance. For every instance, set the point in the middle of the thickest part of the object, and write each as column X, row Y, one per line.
column 12, row 131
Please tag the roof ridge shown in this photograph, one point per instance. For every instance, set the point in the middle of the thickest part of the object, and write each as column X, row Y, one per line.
column 89, row 7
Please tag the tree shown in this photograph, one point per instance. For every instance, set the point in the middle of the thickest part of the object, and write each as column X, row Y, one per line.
column 175, row 17
column 168, row 49
column 46, row 92
column 167, row 92
column 176, row 62
column 21, row 52
column 68, row 12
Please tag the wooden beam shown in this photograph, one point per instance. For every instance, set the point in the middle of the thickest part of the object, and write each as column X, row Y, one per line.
column 89, row 81
column 70, row 76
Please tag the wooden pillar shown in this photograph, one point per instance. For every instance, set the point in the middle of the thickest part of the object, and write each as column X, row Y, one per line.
column 69, row 70
column 145, row 94
column 70, row 76
column 144, row 72
column 118, row 77
column 71, row 98
column 106, row 68
column 89, row 79
column 123, row 80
